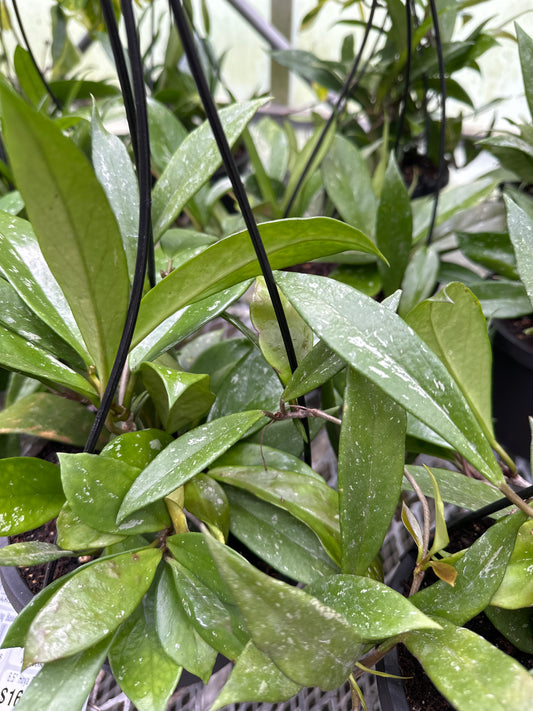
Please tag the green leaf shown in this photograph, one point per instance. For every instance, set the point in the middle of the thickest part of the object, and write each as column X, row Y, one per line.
column 26, row 269
column 142, row 668
column 188, row 455
column 48, row 416
column 446, row 323
column 308, row 641
column 265, row 323
column 166, row 133
column 492, row 250
column 74, row 534
column 525, row 48
column 451, row 201
column 233, row 259
column 67, row 624
column 30, row 494
column 502, row 298
column 219, row 359
column 95, row 487
column 23, row 356
column 17, row 317
column 420, row 278
column 246, row 453
column 207, row 500
column 479, row 574
column 219, row 623
column 65, row 683
column 272, row 145
column 115, row 174
column 137, row 448
column 194, row 162
column 180, row 398
column 346, row 175
column 31, row 553
column 177, row 634
column 252, row 384
column 373, row 610
column 513, row 153
column 304, row 497
column 377, row 343
column 280, row 539
column 75, row 226
column 411, row 523
column 455, row 488
column 520, row 222
column 183, row 323
column 516, row 588
column 370, row 470
column 469, row 671
column 394, row 228
column 28, row 77
column 516, row 625
column 12, row 202
column 319, row 365
column 255, row 678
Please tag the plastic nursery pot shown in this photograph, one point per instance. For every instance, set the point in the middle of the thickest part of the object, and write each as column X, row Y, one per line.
column 19, row 595
column 391, row 692
column 512, row 384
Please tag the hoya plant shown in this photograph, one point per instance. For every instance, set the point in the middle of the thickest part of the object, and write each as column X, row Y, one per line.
column 203, row 531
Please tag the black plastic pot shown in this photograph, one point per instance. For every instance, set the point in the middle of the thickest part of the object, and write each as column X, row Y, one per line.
column 391, row 692
column 19, row 595
column 512, row 388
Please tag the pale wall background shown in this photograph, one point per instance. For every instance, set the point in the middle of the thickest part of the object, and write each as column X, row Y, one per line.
column 247, row 66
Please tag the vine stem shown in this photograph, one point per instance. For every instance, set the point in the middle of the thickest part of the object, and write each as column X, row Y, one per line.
column 516, row 499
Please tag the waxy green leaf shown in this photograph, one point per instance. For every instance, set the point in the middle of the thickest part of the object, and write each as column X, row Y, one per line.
column 394, row 228
column 74, row 224
column 23, row 356
column 65, row 683
column 142, row 668
column 516, row 588
column 183, row 323
column 492, row 250
column 370, row 470
column 377, row 343
column 453, row 326
column 137, row 448
column 207, row 500
column 525, row 48
column 30, row 494
column 420, row 278
column 16, row 316
column 76, row 535
column 26, row 269
column 252, row 384
column 280, row 539
column 247, row 453
column 520, row 222
column 177, row 634
column 469, row 671
column 67, row 624
column 455, row 488
column 219, row 623
column 179, row 398
column 48, row 416
column 349, row 185
column 374, row 610
column 265, row 323
column 255, row 677
column 479, row 574
column 116, row 175
column 516, row 625
column 166, row 133
column 307, row 640
column 31, row 553
column 188, row 455
column 28, row 76
column 233, row 260
column 95, row 487
column 320, row 364
column 313, row 503
column 194, row 162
